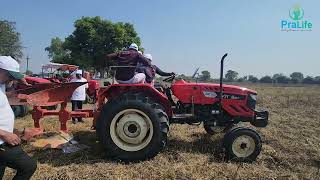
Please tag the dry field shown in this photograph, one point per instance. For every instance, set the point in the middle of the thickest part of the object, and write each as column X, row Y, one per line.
column 291, row 147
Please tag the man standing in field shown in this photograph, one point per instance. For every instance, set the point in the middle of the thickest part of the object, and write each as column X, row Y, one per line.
column 79, row 95
column 11, row 154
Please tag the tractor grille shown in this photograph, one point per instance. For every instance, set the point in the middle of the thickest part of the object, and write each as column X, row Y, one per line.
column 251, row 102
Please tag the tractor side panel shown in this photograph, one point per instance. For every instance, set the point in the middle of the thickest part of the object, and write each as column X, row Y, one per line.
column 234, row 98
column 235, row 103
column 187, row 93
column 119, row 89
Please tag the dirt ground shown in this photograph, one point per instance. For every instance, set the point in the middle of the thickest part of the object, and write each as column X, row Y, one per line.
column 291, row 147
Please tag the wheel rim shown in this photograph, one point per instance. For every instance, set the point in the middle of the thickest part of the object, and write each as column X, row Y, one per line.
column 131, row 130
column 243, row 146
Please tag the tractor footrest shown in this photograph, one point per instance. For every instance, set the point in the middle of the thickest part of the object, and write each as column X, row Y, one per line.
column 260, row 119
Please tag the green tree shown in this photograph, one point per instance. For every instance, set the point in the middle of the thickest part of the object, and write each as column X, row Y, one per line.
column 275, row 76
column 205, row 76
column 308, row 80
column 266, row 79
column 317, row 79
column 10, row 44
column 296, row 77
column 280, row 78
column 242, row 79
column 57, row 53
column 94, row 37
column 231, row 75
column 253, row 79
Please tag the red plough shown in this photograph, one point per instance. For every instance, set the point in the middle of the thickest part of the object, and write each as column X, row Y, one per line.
column 49, row 95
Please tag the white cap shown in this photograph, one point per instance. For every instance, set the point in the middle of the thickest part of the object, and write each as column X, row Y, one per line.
column 134, row 46
column 148, row 56
column 79, row 71
column 11, row 65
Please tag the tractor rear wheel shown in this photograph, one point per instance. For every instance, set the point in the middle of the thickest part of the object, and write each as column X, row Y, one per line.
column 242, row 144
column 132, row 127
column 16, row 110
column 23, row 110
column 54, row 107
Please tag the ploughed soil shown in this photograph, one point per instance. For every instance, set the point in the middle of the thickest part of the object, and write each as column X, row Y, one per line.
column 291, row 147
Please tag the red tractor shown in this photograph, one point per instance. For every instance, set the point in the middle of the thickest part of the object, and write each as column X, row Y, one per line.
column 134, row 122
column 61, row 73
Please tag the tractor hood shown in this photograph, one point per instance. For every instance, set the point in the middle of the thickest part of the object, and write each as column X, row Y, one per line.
column 213, row 87
column 207, row 93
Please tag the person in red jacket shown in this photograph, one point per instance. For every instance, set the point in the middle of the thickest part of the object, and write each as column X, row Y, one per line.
column 152, row 70
column 131, row 57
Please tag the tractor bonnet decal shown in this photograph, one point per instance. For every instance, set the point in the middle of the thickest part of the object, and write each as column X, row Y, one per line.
column 233, row 96
column 209, row 94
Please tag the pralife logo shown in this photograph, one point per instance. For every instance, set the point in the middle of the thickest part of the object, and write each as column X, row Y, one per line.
column 296, row 23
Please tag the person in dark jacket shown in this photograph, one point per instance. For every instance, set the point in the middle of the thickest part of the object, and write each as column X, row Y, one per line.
column 152, row 70
column 131, row 57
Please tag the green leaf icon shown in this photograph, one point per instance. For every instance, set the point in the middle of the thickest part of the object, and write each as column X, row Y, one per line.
column 296, row 13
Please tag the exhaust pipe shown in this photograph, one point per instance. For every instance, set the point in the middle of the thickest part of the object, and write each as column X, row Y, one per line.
column 221, row 81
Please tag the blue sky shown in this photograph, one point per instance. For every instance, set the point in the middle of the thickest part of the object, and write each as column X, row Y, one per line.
column 183, row 34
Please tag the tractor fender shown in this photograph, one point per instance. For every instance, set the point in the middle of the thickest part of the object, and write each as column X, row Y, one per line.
column 115, row 90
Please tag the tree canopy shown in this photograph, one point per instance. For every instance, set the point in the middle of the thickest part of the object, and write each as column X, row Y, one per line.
column 231, row 75
column 280, row 78
column 205, row 75
column 10, row 44
column 266, row 79
column 91, row 40
column 253, row 79
column 56, row 51
column 296, row 77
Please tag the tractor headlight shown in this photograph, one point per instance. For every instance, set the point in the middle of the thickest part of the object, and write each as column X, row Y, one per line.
column 251, row 102
column 253, row 96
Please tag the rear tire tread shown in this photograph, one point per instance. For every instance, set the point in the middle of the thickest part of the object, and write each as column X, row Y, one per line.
column 113, row 106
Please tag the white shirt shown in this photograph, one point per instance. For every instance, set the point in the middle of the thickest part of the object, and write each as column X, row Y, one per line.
column 6, row 114
column 3, row 88
column 80, row 93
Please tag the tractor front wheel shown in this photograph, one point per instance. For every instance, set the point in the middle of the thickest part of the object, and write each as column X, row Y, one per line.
column 132, row 128
column 242, row 144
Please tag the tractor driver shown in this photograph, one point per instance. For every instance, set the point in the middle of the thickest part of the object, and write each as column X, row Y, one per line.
column 130, row 57
column 151, row 71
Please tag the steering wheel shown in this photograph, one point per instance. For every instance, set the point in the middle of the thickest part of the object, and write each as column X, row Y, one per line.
column 170, row 78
